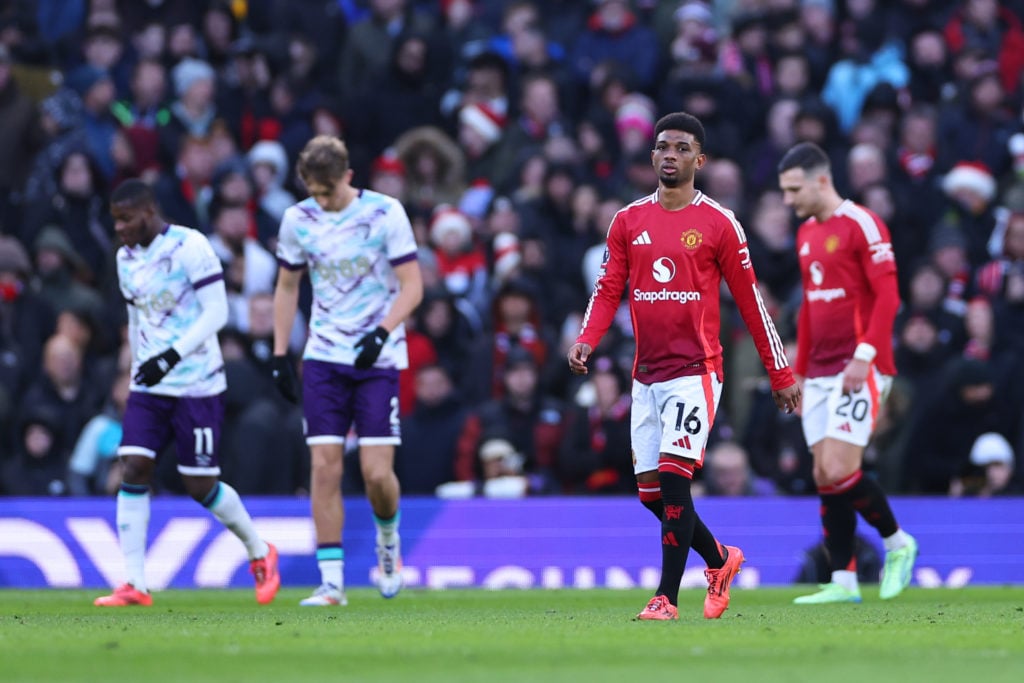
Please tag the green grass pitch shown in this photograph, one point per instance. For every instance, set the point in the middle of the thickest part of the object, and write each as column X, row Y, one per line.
column 971, row 635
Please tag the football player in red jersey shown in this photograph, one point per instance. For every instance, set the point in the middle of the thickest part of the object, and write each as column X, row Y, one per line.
column 844, row 360
column 674, row 247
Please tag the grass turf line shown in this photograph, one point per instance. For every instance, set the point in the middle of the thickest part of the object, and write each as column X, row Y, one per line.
column 973, row 634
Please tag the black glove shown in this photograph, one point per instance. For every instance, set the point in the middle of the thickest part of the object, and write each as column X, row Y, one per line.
column 371, row 345
column 284, row 378
column 153, row 370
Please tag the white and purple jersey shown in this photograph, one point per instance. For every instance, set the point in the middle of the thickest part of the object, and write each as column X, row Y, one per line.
column 351, row 256
column 159, row 283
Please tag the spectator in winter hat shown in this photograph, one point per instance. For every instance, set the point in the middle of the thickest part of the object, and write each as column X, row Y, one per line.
column 387, row 175
column 268, row 164
column 461, row 262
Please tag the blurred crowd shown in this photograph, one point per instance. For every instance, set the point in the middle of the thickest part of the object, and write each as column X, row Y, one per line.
column 512, row 131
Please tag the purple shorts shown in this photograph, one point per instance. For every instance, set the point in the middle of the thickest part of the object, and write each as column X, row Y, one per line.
column 150, row 420
column 336, row 397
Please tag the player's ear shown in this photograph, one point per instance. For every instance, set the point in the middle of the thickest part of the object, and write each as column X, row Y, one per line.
column 702, row 159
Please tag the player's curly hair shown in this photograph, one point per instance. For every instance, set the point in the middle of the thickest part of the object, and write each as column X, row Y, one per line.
column 324, row 161
column 680, row 120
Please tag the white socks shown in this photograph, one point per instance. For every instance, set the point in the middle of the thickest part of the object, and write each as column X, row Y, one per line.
column 132, row 526
column 226, row 505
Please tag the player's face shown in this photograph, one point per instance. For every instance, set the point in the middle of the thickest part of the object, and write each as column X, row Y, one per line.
column 676, row 157
column 800, row 190
column 134, row 223
column 331, row 197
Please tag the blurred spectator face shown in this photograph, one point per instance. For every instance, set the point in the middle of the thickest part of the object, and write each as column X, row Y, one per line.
column 926, row 288
column 789, row 36
column 723, row 178
column 987, row 93
column 432, row 385
column 979, row 320
column 325, row 122
column 150, row 41
column 977, row 394
column 729, row 469
column 518, row 17
column 928, row 50
column 792, row 75
column 879, row 199
column 503, row 218
column 531, row 177
column 919, row 334
column 76, row 176
column 102, row 50
column 981, row 13
column 918, row 133
column 613, row 14
column 810, row 129
column 38, row 440
column 233, row 225
column 530, row 47
column 412, row 56
column 868, row 131
column 235, row 188
column 62, row 361
column 559, row 187
column 866, row 166
column 149, row 84
column 484, row 83
column 817, row 21
column 387, row 182
column 100, row 96
column 282, row 97
column 514, row 309
column 606, row 212
column 221, row 144
column 217, row 29
column 49, row 262
column 196, row 160
column 1013, row 242
column 72, row 326
column 459, row 13
column 182, row 42
column 521, row 381
column 199, row 94
column 951, row 260
column 771, row 221
column 540, row 100
column 780, row 122
column 753, row 40
column 437, row 318
column 261, row 315
column 584, row 203
column 387, row 8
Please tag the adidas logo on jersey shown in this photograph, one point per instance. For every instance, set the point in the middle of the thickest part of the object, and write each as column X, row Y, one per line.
column 642, row 238
column 805, row 249
column 845, row 427
column 684, row 442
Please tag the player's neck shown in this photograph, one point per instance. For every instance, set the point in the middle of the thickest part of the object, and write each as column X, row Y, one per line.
column 675, row 198
column 830, row 203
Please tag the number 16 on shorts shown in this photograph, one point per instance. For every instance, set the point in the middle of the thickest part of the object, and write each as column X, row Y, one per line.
column 673, row 417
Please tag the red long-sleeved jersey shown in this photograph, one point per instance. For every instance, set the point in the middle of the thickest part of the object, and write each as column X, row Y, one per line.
column 850, row 291
column 674, row 262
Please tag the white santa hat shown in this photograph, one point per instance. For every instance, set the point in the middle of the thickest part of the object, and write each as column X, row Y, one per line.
column 487, row 123
column 991, row 447
column 506, row 255
column 973, row 176
column 448, row 219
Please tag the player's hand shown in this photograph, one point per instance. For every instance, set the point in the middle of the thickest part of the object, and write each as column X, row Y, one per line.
column 156, row 368
column 578, row 355
column 283, row 373
column 369, row 348
column 788, row 399
column 855, row 375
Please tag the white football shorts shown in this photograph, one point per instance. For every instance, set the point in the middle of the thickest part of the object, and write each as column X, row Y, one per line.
column 828, row 412
column 673, row 417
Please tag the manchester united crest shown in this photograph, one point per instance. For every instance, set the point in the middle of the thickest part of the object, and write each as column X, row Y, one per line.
column 692, row 238
column 831, row 243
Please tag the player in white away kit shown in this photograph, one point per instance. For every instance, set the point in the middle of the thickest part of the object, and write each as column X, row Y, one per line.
column 361, row 255
column 844, row 350
column 674, row 247
column 174, row 287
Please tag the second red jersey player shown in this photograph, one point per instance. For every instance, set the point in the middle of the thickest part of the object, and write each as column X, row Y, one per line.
column 848, row 269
